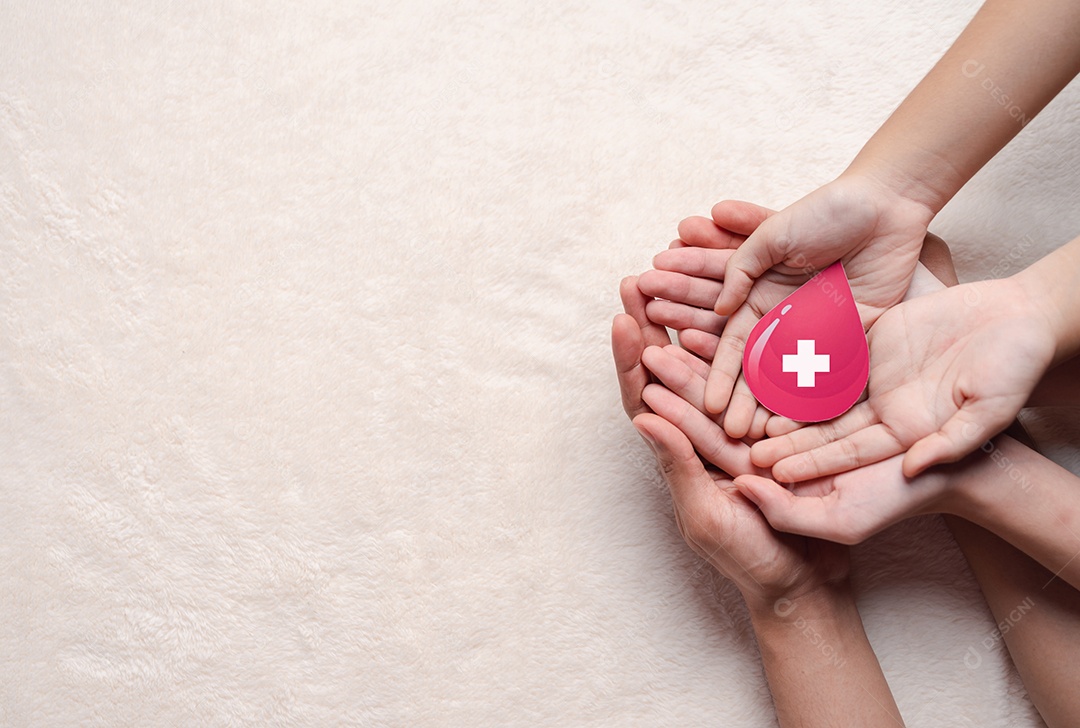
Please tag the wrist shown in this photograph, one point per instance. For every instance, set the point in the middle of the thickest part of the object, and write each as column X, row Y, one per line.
column 817, row 625
column 819, row 664
column 981, row 483
column 921, row 178
column 827, row 601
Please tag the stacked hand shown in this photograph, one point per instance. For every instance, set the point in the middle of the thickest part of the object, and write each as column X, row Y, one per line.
column 713, row 517
column 939, row 385
column 802, row 608
column 948, row 370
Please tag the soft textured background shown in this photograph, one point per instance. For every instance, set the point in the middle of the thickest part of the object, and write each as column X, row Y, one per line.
column 307, row 411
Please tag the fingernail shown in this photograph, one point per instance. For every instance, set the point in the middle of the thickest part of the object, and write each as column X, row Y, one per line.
column 745, row 490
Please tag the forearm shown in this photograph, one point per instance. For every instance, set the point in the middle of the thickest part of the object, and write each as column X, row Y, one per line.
column 1024, row 498
column 820, row 666
column 1010, row 61
column 1037, row 617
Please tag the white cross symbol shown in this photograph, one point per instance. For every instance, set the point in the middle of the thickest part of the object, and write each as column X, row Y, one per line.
column 806, row 363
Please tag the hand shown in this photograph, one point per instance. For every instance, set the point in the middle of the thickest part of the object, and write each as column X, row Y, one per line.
column 686, row 284
column 948, row 370
column 845, row 508
column 787, row 581
column 715, row 520
column 875, row 231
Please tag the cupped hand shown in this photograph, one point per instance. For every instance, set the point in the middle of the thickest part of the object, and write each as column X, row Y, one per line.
column 948, row 370
column 876, row 233
column 716, row 521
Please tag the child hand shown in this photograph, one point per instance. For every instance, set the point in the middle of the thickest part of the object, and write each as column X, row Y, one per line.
column 948, row 371
column 875, row 231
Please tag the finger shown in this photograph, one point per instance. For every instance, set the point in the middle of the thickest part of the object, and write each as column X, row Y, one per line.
column 708, row 438
column 741, row 410
column 727, row 362
column 765, row 248
column 699, row 343
column 678, row 371
column 693, row 261
column 676, row 243
column 778, row 426
column 674, row 374
column 700, row 368
column 769, row 452
column 690, row 383
column 758, row 425
column 741, row 218
column 634, row 302
column 814, row 516
column 627, row 346
column 680, row 316
column 701, row 232
column 683, row 470
column 963, row 433
column 865, row 447
column 680, row 288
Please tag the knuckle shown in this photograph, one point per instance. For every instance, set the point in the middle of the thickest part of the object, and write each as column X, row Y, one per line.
column 828, row 431
column 811, row 461
column 848, row 452
column 733, row 340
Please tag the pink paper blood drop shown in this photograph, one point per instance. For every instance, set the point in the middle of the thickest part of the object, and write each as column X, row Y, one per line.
column 807, row 358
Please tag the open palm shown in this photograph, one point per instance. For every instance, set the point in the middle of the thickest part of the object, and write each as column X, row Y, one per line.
column 948, row 370
column 692, row 276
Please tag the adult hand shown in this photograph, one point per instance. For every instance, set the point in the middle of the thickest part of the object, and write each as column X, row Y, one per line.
column 631, row 332
column 787, row 581
column 716, row 521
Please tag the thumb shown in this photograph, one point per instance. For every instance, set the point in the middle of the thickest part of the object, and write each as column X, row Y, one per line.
column 814, row 516
column 762, row 250
column 682, row 468
column 741, row 218
column 963, row 433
